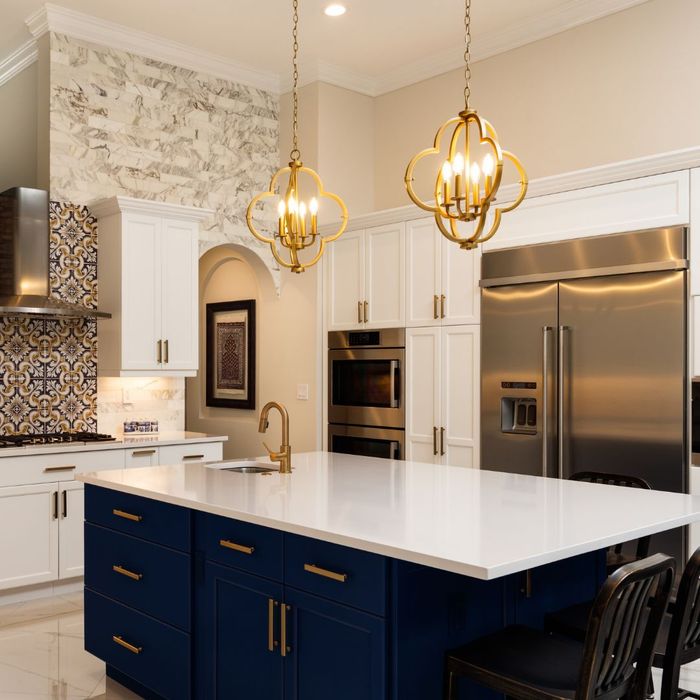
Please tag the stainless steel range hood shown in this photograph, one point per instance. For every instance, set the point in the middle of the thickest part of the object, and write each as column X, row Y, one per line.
column 24, row 259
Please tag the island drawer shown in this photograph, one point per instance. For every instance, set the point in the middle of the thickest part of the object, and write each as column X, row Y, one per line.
column 143, row 575
column 152, row 653
column 343, row 574
column 253, row 548
column 142, row 517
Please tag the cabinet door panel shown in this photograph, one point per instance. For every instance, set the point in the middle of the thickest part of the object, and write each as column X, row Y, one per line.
column 423, row 272
column 345, row 281
column 180, row 265
column 141, row 292
column 70, row 529
column 460, row 284
column 29, row 547
column 385, row 271
column 422, row 393
column 234, row 660
column 460, row 351
column 334, row 651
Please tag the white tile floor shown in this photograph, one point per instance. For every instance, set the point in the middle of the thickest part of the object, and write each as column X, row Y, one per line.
column 42, row 655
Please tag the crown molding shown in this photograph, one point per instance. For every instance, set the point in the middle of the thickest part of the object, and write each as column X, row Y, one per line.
column 18, row 60
column 53, row 18
column 671, row 161
column 126, row 205
column 325, row 72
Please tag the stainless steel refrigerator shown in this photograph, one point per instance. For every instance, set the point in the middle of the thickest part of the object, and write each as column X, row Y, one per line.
column 584, row 360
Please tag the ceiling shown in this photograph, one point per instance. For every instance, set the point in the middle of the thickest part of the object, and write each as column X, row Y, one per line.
column 378, row 44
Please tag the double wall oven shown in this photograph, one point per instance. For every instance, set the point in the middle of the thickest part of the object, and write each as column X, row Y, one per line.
column 366, row 389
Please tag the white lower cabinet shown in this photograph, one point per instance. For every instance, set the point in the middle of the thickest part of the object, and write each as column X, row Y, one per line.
column 442, row 387
column 70, row 529
column 141, row 457
column 29, row 544
column 201, row 452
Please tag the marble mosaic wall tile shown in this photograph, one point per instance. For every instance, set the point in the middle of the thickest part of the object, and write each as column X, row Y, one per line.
column 49, row 367
column 122, row 124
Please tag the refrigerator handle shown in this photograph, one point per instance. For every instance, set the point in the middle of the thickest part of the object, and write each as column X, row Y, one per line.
column 560, row 401
column 545, row 396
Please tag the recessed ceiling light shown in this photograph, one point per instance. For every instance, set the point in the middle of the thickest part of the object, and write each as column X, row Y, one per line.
column 335, row 9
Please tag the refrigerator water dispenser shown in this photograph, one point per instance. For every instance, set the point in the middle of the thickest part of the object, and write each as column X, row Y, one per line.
column 518, row 415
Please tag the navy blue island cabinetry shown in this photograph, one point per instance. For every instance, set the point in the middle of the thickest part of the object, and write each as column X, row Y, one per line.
column 185, row 604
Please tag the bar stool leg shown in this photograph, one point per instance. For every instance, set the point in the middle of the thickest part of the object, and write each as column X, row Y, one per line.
column 450, row 684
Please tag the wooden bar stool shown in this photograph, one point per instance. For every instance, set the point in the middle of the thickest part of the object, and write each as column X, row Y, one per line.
column 613, row 661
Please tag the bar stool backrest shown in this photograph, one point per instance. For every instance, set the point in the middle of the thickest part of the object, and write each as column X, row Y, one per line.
column 622, row 630
column 683, row 645
column 618, row 480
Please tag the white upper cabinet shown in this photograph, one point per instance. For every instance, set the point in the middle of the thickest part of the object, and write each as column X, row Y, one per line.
column 148, row 280
column 442, row 279
column 366, row 279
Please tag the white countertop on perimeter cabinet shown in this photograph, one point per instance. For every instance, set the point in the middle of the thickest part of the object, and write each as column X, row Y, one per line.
column 176, row 437
column 482, row 524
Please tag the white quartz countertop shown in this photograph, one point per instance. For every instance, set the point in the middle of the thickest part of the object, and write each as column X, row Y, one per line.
column 176, row 437
column 482, row 524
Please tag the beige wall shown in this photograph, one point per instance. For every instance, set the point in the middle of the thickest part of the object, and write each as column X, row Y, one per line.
column 18, row 106
column 621, row 87
column 287, row 352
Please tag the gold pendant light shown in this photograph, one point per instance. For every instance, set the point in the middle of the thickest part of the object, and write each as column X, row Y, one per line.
column 463, row 204
column 297, row 209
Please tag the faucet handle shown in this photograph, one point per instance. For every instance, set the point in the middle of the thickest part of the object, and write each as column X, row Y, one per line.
column 271, row 453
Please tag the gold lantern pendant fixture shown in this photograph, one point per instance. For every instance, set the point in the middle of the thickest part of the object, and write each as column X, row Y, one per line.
column 297, row 217
column 463, row 204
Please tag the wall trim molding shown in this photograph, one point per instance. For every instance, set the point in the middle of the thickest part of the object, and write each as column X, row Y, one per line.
column 83, row 26
column 117, row 205
column 18, row 60
column 671, row 161
column 53, row 18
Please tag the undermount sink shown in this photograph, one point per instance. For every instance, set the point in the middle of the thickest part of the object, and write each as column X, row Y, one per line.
column 243, row 466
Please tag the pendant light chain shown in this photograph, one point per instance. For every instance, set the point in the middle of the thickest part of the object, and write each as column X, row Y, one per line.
column 295, row 154
column 467, row 52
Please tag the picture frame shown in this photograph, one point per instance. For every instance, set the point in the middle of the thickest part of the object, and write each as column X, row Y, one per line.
column 230, row 354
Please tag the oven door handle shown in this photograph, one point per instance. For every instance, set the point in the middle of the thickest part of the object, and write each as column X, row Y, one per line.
column 394, row 370
column 395, row 449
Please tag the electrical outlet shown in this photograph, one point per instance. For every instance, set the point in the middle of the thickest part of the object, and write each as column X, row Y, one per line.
column 303, row 392
column 126, row 397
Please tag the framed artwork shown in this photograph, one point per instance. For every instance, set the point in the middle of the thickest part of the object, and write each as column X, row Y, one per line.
column 231, row 354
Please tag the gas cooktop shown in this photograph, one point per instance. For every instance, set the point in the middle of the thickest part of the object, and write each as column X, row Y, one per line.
column 57, row 439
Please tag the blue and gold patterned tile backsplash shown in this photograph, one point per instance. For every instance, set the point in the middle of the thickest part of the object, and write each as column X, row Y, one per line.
column 49, row 367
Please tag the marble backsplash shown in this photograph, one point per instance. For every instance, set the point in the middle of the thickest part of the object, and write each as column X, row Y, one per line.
column 122, row 124
column 49, row 366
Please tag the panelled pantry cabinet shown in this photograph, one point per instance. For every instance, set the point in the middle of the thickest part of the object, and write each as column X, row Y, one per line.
column 150, row 285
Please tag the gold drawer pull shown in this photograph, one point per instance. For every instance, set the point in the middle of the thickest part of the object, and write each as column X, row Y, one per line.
column 125, row 572
column 284, row 648
column 237, row 547
column 313, row 569
column 134, row 650
column 127, row 516
column 66, row 468
column 139, row 453
column 192, row 457
column 271, row 641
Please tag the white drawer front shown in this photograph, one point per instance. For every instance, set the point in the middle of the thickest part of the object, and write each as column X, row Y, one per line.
column 191, row 452
column 143, row 456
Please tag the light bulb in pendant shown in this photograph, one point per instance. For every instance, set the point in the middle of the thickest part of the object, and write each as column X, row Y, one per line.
column 302, row 209
column 313, row 206
column 281, row 208
column 458, row 164
column 446, row 171
column 488, row 165
column 292, row 205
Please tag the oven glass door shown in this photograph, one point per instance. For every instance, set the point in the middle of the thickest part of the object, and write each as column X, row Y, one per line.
column 366, row 387
column 367, row 442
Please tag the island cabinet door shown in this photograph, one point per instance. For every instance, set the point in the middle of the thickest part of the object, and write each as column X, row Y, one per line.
column 332, row 651
column 238, row 628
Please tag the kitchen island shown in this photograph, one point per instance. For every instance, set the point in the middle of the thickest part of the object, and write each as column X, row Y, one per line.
column 348, row 578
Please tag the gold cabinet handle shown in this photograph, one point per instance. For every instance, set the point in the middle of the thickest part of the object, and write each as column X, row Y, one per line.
column 125, row 572
column 159, row 345
column 166, row 352
column 359, row 312
column 435, row 449
column 283, row 630
column 192, row 457
column 65, row 468
column 122, row 643
column 237, row 547
column 366, row 305
column 271, row 641
column 142, row 453
column 435, row 305
column 442, row 441
column 127, row 516
column 442, row 306
column 313, row 569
